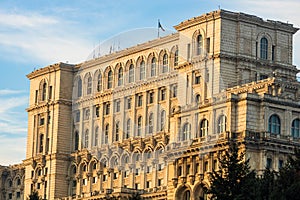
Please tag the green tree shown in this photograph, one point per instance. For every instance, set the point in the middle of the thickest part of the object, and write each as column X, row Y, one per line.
column 287, row 185
column 234, row 180
column 135, row 196
column 34, row 196
column 266, row 185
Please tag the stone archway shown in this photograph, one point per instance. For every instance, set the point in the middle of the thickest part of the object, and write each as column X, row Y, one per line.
column 199, row 192
column 183, row 193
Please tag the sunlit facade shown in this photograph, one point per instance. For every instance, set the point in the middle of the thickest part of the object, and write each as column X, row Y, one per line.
column 154, row 118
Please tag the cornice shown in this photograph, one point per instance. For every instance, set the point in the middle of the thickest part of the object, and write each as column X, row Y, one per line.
column 51, row 68
column 129, row 51
column 198, row 20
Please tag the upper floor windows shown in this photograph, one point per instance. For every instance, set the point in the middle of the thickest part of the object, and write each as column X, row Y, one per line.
column 176, row 58
column 274, row 124
column 204, row 128
column 222, row 124
column 199, row 45
column 109, row 79
column 153, row 67
column 86, row 138
column 296, row 128
column 131, row 74
column 264, row 48
column 186, row 132
column 99, row 82
column 142, row 70
column 120, row 76
column 79, row 87
column 165, row 62
column 44, row 91
column 139, row 126
column 89, row 86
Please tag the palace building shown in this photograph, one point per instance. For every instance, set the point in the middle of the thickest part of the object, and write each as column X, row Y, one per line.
column 153, row 119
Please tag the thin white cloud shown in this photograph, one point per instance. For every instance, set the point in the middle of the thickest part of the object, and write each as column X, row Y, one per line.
column 9, row 92
column 42, row 38
column 12, row 119
column 21, row 21
column 13, row 150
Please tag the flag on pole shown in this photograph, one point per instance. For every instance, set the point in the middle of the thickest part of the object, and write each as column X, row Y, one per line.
column 160, row 26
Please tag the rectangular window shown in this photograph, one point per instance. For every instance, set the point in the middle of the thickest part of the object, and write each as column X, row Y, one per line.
column 148, row 184
column 104, row 177
column 174, row 90
column 160, row 167
column 197, row 168
column 159, row 182
column 18, row 195
column 116, row 175
column 179, row 172
column 206, row 166
column 188, row 51
column 269, row 163
column 50, row 92
column 117, row 106
column 139, row 100
column 36, row 96
column 126, row 173
column 188, row 168
column 77, row 116
column 42, row 121
column 49, row 117
column 46, row 170
column 197, row 79
column 84, row 181
column 39, row 186
column 137, row 186
column 280, row 164
column 10, row 196
column 94, row 180
column 137, row 171
column 162, row 94
column 273, row 53
column 97, row 111
column 128, row 103
column 151, row 97
column 74, row 183
column 107, row 108
column 149, row 169
column 208, row 45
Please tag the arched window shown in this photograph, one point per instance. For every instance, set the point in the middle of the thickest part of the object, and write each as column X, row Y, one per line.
column 109, row 79
column 204, row 128
column 79, row 87
column 222, row 124
column 150, row 123
column 99, row 82
column 274, row 124
column 264, row 48
column 44, row 91
column 89, row 86
column 106, row 131
column 165, row 63
column 117, row 131
column 128, row 129
column 142, row 70
column 76, row 141
column 153, row 67
column 131, row 74
column 86, row 139
column 199, row 45
column 296, row 128
column 162, row 120
column 120, row 76
column 176, row 58
column 96, row 136
column 186, row 132
column 139, row 126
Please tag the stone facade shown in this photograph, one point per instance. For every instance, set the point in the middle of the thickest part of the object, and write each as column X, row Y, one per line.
column 154, row 118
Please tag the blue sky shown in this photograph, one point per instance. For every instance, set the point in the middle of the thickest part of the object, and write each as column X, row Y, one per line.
column 35, row 33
